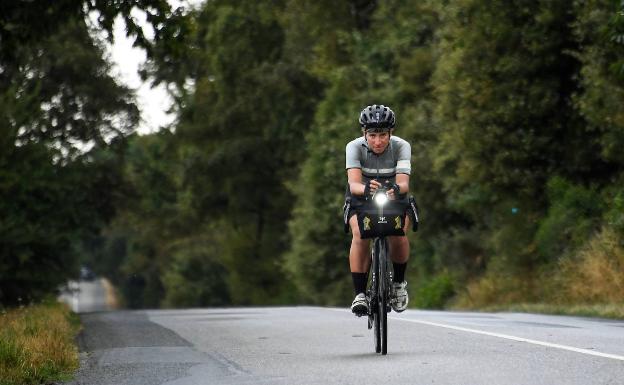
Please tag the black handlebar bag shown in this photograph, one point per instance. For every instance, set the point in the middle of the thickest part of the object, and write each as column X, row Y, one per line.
column 375, row 221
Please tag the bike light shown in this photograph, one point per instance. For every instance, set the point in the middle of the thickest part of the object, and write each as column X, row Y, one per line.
column 381, row 198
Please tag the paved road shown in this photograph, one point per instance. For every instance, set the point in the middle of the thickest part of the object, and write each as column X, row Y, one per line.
column 308, row 345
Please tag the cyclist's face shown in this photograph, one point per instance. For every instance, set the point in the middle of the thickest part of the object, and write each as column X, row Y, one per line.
column 377, row 141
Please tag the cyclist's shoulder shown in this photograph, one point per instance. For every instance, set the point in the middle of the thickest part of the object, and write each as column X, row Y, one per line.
column 400, row 145
column 356, row 144
column 399, row 141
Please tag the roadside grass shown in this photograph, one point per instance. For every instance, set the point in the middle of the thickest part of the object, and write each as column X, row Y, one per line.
column 589, row 283
column 596, row 273
column 37, row 344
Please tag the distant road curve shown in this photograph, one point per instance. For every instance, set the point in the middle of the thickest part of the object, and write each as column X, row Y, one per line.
column 312, row 345
column 89, row 296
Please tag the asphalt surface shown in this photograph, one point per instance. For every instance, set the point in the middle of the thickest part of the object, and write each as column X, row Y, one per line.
column 309, row 345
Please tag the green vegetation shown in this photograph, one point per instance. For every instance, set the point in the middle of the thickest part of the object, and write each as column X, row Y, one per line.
column 63, row 120
column 513, row 110
column 37, row 344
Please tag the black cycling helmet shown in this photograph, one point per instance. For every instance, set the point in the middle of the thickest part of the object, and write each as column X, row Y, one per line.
column 377, row 118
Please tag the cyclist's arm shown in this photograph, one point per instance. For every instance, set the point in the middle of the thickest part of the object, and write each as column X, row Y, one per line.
column 404, row 167
column 354, row 170
column 403, row 181
column 356, row 186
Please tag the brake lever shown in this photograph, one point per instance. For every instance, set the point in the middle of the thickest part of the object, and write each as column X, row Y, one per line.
column 345, row 214
column 414, row 213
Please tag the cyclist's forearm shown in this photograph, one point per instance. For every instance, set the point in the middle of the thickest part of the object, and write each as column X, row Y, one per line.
column 404, row 186
column 402, row 180
column 357, row 188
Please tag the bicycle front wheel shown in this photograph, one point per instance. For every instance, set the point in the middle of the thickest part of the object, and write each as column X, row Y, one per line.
column 382, row 295
column 374, row 303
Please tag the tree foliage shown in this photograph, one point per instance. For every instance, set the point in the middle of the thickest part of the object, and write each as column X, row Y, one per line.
column 512, row 109
column 62, row 122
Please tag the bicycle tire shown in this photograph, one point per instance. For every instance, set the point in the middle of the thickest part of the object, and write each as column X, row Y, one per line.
column 377, row 336
column 383, row 295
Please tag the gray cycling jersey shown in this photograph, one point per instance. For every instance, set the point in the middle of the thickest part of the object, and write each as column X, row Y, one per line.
column 395, row 160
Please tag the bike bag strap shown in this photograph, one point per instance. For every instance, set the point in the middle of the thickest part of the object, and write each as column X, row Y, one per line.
column 413, row 213
column 345, row 214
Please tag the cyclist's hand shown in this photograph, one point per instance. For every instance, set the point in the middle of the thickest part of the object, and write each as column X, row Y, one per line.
column 370, row 187
column 393, row 192
column 375, row 185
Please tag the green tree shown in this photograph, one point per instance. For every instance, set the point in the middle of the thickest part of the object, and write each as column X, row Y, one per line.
column 504, row 84
column 599, row 28
column 23, row 23
column 138, row 244
column 62, row 124
column 237, row 144
column 53, row 193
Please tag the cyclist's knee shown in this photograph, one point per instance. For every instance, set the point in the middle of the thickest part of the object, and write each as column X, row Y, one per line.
column 399, row 247
column 355, row 229
column 407, row 224
column 398, row 240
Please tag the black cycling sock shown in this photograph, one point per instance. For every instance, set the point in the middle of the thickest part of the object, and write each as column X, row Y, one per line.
column 399, row 271
column 359, row 282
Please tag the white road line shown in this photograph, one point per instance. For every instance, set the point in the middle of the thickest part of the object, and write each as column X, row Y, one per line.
column 513, row 338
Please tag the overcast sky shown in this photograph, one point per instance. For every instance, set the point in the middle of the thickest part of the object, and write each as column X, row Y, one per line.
column 153, row 102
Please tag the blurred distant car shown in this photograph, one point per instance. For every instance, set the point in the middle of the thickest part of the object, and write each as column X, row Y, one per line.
column 86, row 274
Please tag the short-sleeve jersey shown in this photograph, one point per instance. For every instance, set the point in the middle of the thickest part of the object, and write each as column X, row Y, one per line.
column 394, row 160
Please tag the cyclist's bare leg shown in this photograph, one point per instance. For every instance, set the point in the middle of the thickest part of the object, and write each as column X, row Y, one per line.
column 359, row 259
column 399, row 246
column 399, row 254
column 359, row 262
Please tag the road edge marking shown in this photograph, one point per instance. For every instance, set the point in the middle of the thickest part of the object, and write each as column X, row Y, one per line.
column 514, row 338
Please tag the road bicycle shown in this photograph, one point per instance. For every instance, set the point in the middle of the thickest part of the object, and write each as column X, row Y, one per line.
column 385, row 219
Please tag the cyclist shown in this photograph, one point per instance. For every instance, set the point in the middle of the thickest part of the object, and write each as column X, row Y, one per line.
column 376, row 158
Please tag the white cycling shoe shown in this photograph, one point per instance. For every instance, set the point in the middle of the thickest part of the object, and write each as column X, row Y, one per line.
column 359, row 307
column 400, row 298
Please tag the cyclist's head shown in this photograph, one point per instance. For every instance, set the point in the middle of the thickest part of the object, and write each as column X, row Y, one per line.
column 377, row 118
